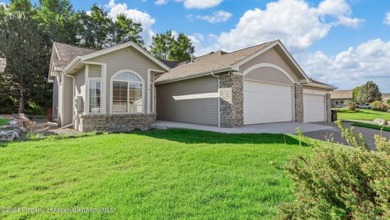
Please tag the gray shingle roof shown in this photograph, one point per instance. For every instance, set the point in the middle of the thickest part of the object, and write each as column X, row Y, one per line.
column 68, row 52
column 341, row 94
column 207, row 63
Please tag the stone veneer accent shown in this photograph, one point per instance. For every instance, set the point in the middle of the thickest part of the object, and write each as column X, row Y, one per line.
column 116, row 123
column 328, row 108
column 298, row 95
column 231, row 100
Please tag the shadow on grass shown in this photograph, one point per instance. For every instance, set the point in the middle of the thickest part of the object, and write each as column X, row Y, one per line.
column 184, row 136
column 198, row 137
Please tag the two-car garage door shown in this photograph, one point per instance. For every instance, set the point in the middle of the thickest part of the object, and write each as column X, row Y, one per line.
column 265, row 103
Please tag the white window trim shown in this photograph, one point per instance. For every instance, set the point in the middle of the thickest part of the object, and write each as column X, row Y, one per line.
column 103, row 87
column 143, row 92
column 89, row 83
column 151, row 98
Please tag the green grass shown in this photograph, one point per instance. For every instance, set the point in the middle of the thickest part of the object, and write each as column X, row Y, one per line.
column 376, row 127
column 3, row 121
column 361, row 114
column 157, row 174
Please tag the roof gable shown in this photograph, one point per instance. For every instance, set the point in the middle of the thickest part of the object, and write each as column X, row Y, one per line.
column 281, row 49
column 66, row 53
column 113, row 49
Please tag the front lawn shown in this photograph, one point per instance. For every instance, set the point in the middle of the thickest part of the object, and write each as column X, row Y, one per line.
column 157, row 174
column 361, row 114
column 3, row 121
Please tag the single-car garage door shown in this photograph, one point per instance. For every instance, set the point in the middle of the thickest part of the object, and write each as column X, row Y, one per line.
column 313, row 108
column 265, row 103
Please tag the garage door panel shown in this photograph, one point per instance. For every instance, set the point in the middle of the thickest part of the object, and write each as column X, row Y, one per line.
column 314, row 108
column 265, row 103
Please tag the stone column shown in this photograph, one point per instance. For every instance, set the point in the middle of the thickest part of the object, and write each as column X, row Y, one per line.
column 328, row 108
column 231, row 101
column 298, row 95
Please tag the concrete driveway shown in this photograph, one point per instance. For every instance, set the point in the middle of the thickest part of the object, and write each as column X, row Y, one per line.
column 271, row 128
column 335, row 133
column 321, row 131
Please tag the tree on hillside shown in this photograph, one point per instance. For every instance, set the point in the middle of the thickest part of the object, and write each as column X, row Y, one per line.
column 23, row 45
column 355, row 93
column 369, row 92
column 98, row 30
column 168, row 47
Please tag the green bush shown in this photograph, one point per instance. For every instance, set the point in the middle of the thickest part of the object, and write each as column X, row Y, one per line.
column 340, row 182
column 34, row 109
column 351, row 105
column 379, row 106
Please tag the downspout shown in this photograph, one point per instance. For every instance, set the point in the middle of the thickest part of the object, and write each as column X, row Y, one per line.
column 73, row 82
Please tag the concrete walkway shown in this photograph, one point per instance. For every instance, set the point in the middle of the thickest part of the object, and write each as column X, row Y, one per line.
column 271, row 128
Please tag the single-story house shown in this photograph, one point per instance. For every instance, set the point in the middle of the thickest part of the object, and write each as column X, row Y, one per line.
column 124, row 87
column 341, row 98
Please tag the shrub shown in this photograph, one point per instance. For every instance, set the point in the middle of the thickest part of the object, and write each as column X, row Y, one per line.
column 339, row 182
column 351, row 105
column 379, row 106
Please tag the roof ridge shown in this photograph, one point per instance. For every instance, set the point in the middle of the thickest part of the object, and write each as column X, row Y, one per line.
column 262, row 44
column 76, row 46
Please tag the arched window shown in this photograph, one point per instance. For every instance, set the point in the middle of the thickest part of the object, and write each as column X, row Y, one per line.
column 127, row 95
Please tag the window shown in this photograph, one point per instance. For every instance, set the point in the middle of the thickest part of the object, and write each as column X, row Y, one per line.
column 94, row 96
column 127, row 93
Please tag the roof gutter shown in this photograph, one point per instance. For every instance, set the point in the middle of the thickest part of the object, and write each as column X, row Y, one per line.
column 72, row 64
column 320, row 86
column 206, row 73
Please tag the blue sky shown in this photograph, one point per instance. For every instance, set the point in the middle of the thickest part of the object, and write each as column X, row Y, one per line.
column 340, row 42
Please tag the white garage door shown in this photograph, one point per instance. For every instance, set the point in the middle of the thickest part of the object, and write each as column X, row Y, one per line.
column 313, row 108
column 265, row 103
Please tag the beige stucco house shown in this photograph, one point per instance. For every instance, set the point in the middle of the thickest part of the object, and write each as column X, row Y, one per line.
column 123, row 88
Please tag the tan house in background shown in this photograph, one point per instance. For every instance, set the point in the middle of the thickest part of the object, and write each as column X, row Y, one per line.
column 124, row 87
column 341, row 98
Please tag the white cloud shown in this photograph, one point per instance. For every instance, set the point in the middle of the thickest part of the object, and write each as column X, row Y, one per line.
column 352, row 67
column 200, row 4
column 387, row 19
column 3, row 4
column 216, row 17
column 161, row 2
column 144, row 18
column 297, row 23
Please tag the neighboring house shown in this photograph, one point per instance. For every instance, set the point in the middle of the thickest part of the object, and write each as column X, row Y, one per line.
column 341, row 98
column 385, row 97
column 124, row 88
column 3, row 63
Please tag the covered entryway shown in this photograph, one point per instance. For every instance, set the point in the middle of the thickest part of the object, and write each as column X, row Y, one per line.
column 313, row 108
column 266, row 102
